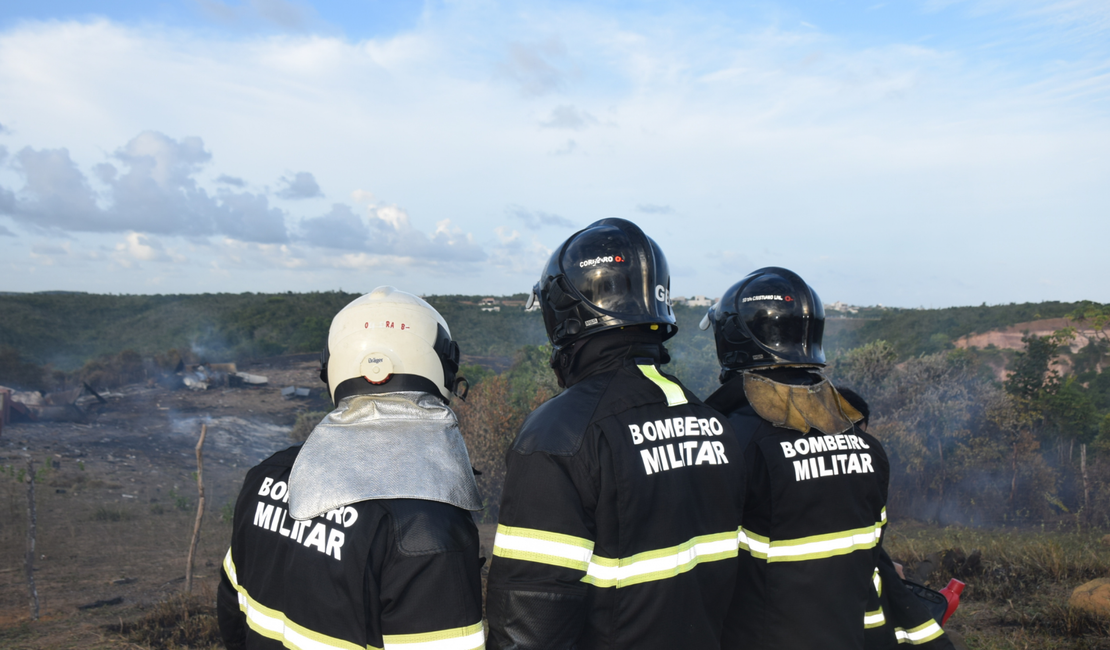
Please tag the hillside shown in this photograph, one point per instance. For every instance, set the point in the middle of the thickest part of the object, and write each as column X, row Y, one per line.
column 67, row 330
column 914, row 332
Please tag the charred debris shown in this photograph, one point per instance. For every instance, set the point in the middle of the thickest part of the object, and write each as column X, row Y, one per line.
column 80, row 403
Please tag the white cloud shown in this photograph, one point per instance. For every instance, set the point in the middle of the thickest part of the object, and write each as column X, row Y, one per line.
column 156, row 193
column 136, row 248
column 742, row 122
column 387, row 231
column 514, row 254
column 301, row 186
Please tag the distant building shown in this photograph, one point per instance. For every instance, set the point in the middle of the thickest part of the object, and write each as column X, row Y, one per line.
column 487, row 302
column 693, row 301
column 841, row 307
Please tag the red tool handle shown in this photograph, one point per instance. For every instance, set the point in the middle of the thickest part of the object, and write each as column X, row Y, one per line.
column 952, row 595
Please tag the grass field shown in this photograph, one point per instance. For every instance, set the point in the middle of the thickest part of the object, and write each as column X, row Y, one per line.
column 1016, row 597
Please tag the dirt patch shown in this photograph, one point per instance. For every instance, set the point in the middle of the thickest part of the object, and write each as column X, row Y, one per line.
column 1009, row 338
column 116, row 499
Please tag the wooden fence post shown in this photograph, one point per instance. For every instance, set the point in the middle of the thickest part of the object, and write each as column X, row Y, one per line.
column 1086, row 485
column 200, row 511
column 31, row 521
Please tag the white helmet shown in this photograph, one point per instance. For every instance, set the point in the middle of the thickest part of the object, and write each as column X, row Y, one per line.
column 388, row 341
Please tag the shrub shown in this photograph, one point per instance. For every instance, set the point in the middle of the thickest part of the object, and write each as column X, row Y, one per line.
column 305, row 423
column 181, row 621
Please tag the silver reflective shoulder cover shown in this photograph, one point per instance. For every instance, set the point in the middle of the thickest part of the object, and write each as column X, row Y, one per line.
column 388, row 446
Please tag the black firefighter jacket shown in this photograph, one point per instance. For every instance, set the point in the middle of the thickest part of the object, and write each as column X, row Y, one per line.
column 813, row 524
column 619, row 519
column 900, row 617
column 392, row 573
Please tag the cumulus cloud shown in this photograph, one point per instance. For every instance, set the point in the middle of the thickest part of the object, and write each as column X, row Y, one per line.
column 651, row 208
column 536, row 219
column 155, row 192
column 387, row 231
column 515, row 254
column 567, row 116
column 301, row 186
column 142, row 248
column 339, row 228
column 4, row 232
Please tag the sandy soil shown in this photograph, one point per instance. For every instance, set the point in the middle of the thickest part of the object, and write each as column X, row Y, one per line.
column 1009, row 338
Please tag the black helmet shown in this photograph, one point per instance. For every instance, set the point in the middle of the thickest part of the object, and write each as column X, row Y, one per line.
column 608, row 275
column 770, row 318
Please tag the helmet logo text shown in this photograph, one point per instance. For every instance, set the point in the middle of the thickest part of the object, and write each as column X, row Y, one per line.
column 766, row 297
column 605, row 259
column 662, row 294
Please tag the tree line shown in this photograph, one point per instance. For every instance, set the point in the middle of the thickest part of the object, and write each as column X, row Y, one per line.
column 964, row 447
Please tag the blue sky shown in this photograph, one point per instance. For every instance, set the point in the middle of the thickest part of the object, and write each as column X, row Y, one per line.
column 916, row 153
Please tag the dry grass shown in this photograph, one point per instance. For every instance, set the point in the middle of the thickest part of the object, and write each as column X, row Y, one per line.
column 180, row 621
column 305, row 423
column 1016, row 598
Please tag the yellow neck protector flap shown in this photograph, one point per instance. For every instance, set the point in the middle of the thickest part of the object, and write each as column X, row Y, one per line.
column 800, row 407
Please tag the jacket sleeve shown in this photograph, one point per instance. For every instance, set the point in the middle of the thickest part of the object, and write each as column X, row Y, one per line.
column 232, row 621
column 431, row 583
column 545, row 540
column 911, row 621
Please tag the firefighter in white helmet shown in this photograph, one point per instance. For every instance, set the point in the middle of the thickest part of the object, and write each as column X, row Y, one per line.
column 361, row 538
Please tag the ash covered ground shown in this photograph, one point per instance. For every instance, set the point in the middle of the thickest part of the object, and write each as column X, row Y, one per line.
column 116, row 499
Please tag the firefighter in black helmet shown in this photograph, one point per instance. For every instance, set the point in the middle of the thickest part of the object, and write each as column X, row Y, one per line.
column 817, row 484
column 621, row 509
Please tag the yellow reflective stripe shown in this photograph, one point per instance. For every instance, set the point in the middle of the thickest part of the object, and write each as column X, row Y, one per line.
column 921, row 634
column 229, row 568
column 577, row 553
column 471, row 637
column 672, row 391
column 662, row 563
column 273, row 624
column 873, row 619
column 878, row 583
column 810, row 548
column 542, row 546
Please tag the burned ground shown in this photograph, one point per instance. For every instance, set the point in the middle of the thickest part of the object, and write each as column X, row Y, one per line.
column 116, row 501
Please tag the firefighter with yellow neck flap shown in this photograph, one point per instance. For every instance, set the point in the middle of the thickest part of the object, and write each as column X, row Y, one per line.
column 621, row 508
column 363, row 537
column 817, row 484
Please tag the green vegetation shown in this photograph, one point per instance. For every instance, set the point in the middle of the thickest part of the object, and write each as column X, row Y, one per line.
column 964, row 445
column 180, row 502
column 66, row 330
column 913, row 332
